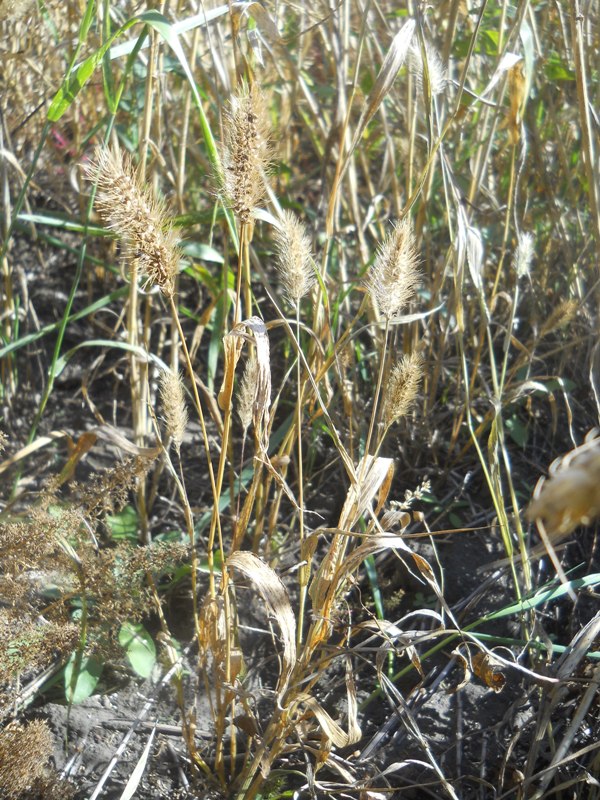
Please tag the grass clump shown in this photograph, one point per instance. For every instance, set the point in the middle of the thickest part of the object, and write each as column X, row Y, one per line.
column 320, row 288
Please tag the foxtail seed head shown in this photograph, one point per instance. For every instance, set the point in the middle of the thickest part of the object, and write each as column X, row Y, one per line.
column 294, row 259
column 246, row 152
column 402, row 387
column 172, row 396
column 524, row 255
column 136, row 216
column 395, row 276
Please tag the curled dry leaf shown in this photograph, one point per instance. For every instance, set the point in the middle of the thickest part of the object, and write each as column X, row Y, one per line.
column 331, row 579
column 395, row 640
column 233, row 342
column 373, row 479
column 372, row 474
column 330, row 728
column 487, row 669
column 571, row 496
column 277, row 599
column 467, row 673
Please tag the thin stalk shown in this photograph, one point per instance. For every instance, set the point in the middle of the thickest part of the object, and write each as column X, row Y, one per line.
column 377, row 394
column 304, row 571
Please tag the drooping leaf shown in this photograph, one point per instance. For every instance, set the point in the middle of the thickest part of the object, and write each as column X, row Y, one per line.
column 277, row 599
column 78, row 687
column 139, row 648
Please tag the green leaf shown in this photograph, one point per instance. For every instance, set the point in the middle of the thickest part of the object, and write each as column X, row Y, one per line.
column 558, row 70
column 124, row 526
column 78, row 687
column 139, row 648
column 86, row 22
column 144, row 356
column 80, row 75
column 518, row 431
column 203, row 252
column 545, row 595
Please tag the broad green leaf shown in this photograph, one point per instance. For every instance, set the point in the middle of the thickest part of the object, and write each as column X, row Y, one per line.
column 124, row 525
column 518, row 431
column 202, row 252
column 78, row 687
column 139, row 648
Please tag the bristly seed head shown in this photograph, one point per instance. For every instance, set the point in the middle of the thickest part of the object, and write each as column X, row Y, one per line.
column 172, row 395
column 136, row 216
column 524, row 255
column 294, row 259
column 395, row 276
column 247, row 392
column 402, row 387
column 436, row 70
column 246, row 151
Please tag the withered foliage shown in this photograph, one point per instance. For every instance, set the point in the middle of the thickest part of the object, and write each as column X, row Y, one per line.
column 24, row 753
column 52, row 561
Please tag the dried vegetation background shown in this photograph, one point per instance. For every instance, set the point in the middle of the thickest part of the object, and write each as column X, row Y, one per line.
column 298, row 361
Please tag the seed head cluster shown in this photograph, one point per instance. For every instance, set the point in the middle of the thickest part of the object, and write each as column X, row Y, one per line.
column 247, row 392
column 246, row 152
column 24, row 753
column 395, row 276
column 132, row 211
column 436, row 70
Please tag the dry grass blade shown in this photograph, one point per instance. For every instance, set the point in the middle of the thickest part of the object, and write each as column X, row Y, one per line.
column 555, row 698
column 372, row 472
column 277, row 599
column 334, row 732
column 392, row 63
column 233, row 343
column 137, row 774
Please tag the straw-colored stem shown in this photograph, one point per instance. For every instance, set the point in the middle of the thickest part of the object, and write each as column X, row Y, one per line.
column 377, row 395
column 304, row 571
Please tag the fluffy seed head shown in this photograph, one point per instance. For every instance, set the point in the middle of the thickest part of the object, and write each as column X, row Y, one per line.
column 294, row 257
column 246, row 152
column 561, row 316
column 524, row 255
column 132, row 211
column 402, row 387
column 247, row 392
column 172, row 396
column 435, row 68
column 395, row 276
